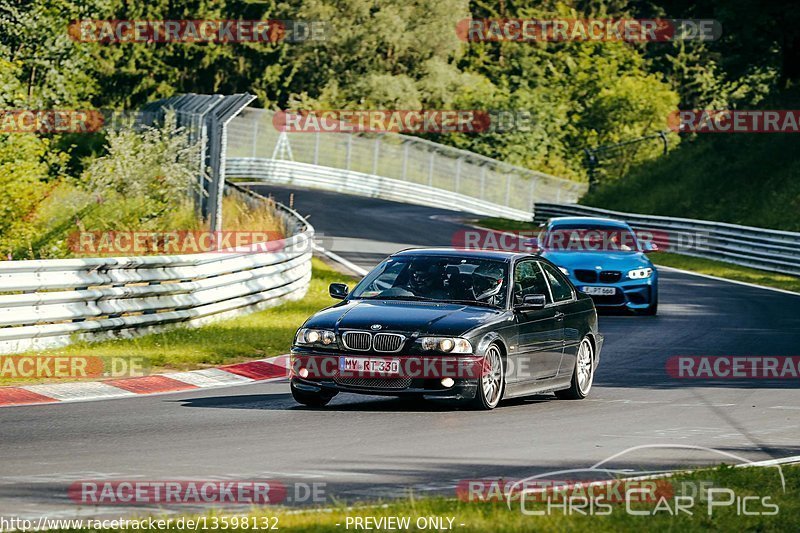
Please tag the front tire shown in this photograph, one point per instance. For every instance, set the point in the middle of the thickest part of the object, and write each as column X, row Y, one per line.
column 310, row 399
column 651, row 310
column 582, row 373
column 492, row 381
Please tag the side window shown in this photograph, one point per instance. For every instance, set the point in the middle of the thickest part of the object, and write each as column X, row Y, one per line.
column 528, row 279
column 558, row 284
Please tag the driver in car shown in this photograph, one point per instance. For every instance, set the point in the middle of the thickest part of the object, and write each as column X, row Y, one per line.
column 425, row 280
column 487, row 284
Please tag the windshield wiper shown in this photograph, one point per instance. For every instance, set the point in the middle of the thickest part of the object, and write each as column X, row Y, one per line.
column 472, row 302
column 399, row 297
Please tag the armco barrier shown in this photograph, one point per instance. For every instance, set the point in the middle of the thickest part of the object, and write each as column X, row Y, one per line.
column 471, row 182
column 291, row 173
column 765, row 249
column 49, row 303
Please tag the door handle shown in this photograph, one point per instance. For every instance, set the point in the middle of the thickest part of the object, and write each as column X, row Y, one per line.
column 559, row 315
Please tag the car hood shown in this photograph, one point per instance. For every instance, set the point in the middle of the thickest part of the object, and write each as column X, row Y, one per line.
column 428, row 318
column 605, row 260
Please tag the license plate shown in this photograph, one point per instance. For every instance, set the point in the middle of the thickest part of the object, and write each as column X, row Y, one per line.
column 600, row 291
column 365, row 364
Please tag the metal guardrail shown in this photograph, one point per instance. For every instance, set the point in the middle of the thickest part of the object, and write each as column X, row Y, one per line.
column 347, row 181
column 415, row 162
column 765, row 249
column 51, row 303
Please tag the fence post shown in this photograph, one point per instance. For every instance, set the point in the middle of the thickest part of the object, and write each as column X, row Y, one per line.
column 375, row 155
column 483, row 182
column 430, row 168
column 508, row 188
column 405, row 160
column 531, row 194
column 458, row 174
column 255, row 134
column 316, row 148
column 347, row 151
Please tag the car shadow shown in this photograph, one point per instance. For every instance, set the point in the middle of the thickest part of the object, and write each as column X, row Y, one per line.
column 344, row 403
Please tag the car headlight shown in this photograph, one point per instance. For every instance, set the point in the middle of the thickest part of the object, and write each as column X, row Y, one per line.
column 564, row 271
column 446, row 344
column 640, row 273
column 320, row 337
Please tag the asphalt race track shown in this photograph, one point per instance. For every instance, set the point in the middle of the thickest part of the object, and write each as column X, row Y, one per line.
column 368, row 447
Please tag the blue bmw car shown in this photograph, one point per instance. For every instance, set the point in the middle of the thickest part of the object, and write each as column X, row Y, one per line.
column 605, row 259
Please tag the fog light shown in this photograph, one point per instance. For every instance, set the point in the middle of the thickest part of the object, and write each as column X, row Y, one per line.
column 303, row 372
column 447, row 382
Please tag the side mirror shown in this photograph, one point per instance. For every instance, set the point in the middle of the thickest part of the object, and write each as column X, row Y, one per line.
column 532, row 302
column 338, row 290
column 649, row 247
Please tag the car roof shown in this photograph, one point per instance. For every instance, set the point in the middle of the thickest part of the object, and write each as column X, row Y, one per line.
column 558, row 221
column 501, row 255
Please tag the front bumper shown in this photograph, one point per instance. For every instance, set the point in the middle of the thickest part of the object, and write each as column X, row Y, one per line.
column 633, row 294
column 461, row 390
column 419, row 375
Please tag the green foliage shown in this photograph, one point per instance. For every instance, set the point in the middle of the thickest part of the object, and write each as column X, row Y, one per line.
column 155, row 164
column 392, row 54
column 50, row 67
column 23, row 179
column 142, row 182
column 749, row 179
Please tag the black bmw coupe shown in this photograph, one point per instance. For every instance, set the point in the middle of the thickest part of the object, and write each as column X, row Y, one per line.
column 470, row 327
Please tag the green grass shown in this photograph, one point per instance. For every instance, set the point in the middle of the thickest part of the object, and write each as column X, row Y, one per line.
column 254, row 336
column 755, row 482
column 727, row 271
column 684, row 262
column 504, row 224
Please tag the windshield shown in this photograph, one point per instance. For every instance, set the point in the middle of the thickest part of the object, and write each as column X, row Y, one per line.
column 438, row 278
column 590, row 238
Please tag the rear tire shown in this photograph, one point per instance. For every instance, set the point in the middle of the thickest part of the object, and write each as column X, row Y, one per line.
column 492, row 382
column 582, row 373
column 311, row 399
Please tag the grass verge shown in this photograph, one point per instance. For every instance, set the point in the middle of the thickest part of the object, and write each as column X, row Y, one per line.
column 769, row 505
column 684, row 262
column 727, row 271
column 262, row 334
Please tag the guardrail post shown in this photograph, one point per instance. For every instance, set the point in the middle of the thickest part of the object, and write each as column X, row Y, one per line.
column 316, row 148
column 347, row 151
